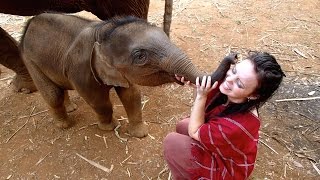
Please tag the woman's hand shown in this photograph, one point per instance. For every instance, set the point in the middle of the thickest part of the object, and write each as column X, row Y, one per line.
column 205, row 87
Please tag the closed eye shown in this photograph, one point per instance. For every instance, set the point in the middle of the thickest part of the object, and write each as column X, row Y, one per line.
column 234, row 70
column 238, row 81
column 240, row 84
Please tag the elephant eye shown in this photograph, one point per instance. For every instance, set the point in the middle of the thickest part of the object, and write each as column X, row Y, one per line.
column 139, row 57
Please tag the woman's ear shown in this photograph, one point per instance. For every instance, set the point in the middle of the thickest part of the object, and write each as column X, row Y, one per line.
column 103, row 69
column 253, row 97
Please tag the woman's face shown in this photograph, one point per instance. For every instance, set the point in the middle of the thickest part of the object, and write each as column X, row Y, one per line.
column 240, row 82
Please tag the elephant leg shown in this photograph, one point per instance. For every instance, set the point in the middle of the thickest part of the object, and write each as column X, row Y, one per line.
column 10, row 57
column 101, row 104
column 53, row 95
column 131, row 100
column 70, row 106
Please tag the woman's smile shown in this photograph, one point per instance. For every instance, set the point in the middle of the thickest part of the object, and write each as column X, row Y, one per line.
column 226, row 85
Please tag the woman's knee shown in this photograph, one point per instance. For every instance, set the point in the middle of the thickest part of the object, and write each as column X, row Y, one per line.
column 176, row 143
column 182, row 126
column 170, row 144
column 169, row 140
column 177, row 153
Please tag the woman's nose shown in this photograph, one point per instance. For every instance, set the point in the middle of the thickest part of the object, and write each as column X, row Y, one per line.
column 230, row 78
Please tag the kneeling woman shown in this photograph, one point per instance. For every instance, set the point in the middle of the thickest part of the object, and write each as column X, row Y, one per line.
column 219, row 140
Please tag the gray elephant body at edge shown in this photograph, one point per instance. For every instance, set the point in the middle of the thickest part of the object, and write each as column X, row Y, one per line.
column 103, row 9
column 65, row 52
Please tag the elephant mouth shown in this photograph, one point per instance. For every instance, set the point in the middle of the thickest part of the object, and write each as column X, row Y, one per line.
column 177, row 81
column 156, row 79
column 174, row 79
column 170, row 77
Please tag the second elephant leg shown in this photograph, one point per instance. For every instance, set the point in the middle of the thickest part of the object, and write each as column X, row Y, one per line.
column 52, row 94
column 70, row 106
column 131, row 100
column 101, row 104
column 10, row 57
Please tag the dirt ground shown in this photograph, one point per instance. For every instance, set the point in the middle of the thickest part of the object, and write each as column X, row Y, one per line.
column 31, row 147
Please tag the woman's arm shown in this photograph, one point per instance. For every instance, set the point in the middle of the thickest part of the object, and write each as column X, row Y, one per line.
column 197, row 116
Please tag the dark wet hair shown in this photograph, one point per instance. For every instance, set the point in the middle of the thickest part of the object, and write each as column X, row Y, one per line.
column 269, row 76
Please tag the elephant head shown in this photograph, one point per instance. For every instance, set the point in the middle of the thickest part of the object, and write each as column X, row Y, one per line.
column 132, row 50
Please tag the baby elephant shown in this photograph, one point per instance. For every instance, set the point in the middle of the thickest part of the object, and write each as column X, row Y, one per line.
column 64, row 52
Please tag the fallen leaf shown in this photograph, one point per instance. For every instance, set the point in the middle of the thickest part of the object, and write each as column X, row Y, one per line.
column 311, row 93
column 297, row 164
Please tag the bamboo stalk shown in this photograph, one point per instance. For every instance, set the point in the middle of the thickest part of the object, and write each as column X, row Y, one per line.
column 298, row 99
column 108, row 170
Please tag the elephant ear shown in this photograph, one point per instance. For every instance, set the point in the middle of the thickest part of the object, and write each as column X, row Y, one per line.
column 103, row 69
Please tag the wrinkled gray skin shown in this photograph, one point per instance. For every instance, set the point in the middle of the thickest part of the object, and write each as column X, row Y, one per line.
column 103, row 9
column 10, row 58
column 64, row 52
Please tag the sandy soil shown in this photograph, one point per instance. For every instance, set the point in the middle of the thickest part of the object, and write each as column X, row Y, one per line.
column 31, row 147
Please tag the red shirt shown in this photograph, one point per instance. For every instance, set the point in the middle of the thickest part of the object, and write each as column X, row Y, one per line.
column 228, row 146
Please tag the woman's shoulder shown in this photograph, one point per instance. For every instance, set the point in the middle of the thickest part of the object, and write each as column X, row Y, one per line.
column 233, row 126
column 251, row 116
column 249, row 119
column 254, row 111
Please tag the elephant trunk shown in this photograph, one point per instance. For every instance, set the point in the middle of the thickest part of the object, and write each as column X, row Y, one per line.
column 182, row 66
